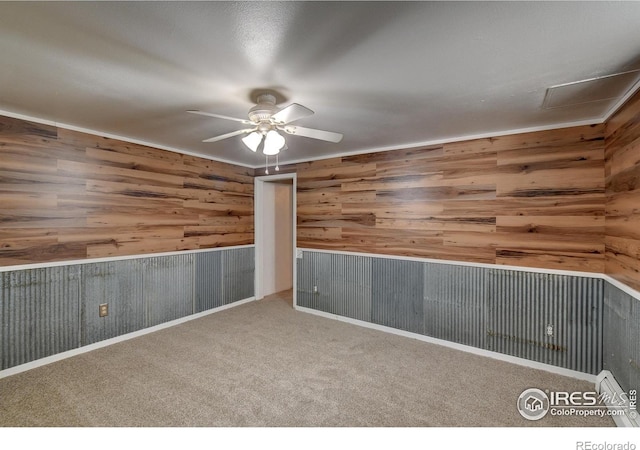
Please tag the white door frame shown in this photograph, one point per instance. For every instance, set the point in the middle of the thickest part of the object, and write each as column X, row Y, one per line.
column 258, row 214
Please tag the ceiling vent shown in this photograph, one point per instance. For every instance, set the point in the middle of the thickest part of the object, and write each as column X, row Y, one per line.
column 605, row 89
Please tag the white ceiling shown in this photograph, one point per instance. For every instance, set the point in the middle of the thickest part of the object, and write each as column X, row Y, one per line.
column 385, row 74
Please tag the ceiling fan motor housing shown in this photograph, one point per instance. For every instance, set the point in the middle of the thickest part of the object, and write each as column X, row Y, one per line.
column 265, row 108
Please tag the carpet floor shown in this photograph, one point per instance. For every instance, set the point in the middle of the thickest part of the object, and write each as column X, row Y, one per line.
column 263, row 364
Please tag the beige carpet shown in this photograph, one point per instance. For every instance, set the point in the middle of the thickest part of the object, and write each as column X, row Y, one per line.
column 264, row 364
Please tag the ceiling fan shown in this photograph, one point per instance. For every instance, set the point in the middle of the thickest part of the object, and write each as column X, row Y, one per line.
column 266, row 120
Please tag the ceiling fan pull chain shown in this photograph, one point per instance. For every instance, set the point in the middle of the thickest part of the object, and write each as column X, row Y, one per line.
column 277, row 164
column 266, row 165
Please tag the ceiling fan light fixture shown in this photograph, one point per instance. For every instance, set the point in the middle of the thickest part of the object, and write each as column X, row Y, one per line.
column 252, row 140
column 273, row 143
column 267, row 121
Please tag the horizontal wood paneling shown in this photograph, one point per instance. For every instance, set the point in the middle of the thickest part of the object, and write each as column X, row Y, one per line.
column 622, row 240
column 534, row 199
column 68, row 195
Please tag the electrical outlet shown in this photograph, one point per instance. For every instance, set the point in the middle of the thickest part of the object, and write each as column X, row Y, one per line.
column 549, row 330
column 298, row 254
column 103, row 310
column 315, row 289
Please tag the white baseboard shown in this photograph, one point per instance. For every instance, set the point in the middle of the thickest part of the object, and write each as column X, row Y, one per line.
column 607, row 384
column 465, row 348
column 125, row 337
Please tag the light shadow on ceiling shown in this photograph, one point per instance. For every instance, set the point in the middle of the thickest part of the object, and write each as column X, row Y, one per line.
column 332, row 33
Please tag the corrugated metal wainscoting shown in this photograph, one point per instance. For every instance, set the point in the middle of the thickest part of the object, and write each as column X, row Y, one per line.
column 50, row 310
column 39, row 313
column 622, row 337
column 554, row 319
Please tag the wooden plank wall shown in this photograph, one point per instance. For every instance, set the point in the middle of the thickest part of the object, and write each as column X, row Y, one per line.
column 533, row 200
column 66, row 195
column 623, row 194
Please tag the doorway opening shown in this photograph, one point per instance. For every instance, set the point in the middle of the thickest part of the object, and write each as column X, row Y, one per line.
column 275, row 236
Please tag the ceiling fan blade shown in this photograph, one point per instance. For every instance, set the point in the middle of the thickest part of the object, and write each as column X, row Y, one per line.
column 228, row 135
column 219, row 116
column 314, row 134
column 291, row 113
